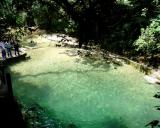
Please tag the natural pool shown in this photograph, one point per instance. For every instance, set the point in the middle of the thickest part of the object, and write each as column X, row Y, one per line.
column 90, row 94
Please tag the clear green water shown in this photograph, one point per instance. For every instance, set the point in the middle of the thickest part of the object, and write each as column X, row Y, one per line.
column 91, row 94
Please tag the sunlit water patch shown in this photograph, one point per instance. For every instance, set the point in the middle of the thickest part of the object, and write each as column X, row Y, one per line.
column 90, row 94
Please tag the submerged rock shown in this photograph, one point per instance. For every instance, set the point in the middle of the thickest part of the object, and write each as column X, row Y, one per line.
column 71, row 126
column 36, row 117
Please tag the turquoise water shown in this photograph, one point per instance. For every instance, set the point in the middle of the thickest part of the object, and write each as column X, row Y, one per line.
column 88, row 93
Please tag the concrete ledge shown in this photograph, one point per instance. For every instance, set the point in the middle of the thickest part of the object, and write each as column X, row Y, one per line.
column 13, row 59
column 141, row 67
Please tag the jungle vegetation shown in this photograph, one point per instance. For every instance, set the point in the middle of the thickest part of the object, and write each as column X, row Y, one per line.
column 126, row 27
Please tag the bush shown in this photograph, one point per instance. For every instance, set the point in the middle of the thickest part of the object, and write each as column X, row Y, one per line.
column 149, row 41
column 21, row 18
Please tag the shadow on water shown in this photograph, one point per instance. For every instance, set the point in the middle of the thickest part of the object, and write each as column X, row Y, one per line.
column 96, row 63
column 31, row 96
column 28, row 88
column 104, row 69
column 114, row 123
column 93, row 60
column 13, row 61
column 47, row 73
column 71, row 125
column 70, row 53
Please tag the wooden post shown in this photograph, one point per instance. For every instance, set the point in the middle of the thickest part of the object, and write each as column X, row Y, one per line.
column 9, row 85
column 3, row 76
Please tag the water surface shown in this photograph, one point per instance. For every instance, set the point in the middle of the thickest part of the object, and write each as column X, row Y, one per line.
column 88, row 93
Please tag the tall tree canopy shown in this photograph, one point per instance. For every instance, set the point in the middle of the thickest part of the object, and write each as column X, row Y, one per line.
column 114, row 24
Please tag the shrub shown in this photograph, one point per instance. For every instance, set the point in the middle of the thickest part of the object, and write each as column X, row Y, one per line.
column 149, row 41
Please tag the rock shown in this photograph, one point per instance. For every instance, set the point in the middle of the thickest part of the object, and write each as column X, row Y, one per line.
column 157, row 96
column 152, row 80
column 71, row 126
column 23, row 50
column 58, row 45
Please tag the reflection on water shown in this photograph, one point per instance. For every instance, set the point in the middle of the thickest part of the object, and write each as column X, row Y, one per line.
column 87, row 93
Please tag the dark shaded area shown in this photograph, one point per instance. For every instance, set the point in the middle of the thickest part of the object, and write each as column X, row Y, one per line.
column 115, row 26
column 10, row 114
column 153, row 123
column 157, row 95
column 35, row 115
column 10, row 111
column 71, row 126
column 114, row 123
column 28, row 87
column 3, row 27
column 14, row 60
column 95, row 58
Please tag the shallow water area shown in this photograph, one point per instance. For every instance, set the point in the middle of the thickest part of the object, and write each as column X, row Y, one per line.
column 88, row 93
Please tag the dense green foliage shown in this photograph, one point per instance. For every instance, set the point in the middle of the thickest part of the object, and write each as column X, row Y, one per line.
column 45, row 14
column 149, row 40
column 117, row 25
